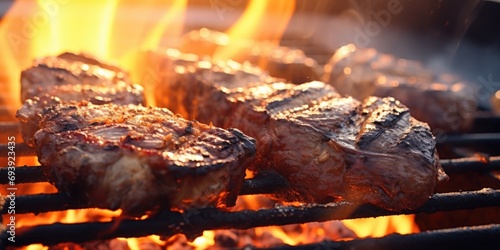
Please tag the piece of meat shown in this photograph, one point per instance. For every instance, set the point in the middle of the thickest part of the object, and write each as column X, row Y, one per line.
column 288, row 63
column 141, row 159
column 71, row 78
column 291, row 64
column 30, row 115
column 183, row 92
column 328, row 146
column 441, row 100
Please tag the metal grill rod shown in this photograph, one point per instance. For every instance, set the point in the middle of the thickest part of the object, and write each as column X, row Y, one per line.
column 471, row 140
column 481, row 139
column 470, row 164
column 21, row 149
column 30, row 174
column 7, row 111
column 193, row 223
column 40, row 203
column 477, row 237
column 9, row 128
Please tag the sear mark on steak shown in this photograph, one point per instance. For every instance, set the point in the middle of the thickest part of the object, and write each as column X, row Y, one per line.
column 141, row 159
column 328, row 146
column 71, row 78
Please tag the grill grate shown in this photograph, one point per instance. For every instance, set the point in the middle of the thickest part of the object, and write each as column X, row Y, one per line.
column 193, row 223
column 39, row 203
column 269, row 183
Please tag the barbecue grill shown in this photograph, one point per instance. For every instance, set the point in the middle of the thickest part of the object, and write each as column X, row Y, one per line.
column 483, row 140
column 192, row 223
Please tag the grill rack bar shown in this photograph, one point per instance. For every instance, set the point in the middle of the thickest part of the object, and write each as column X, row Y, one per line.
column 9, row 128
column 476, row 237
column 24, row 174
column 470, row 140
column 21, row 149
column 485, row 122
column 40, row 203
column 470, row 164
column 193, row 223
column 477, row 139
column 7, row 111
column 268, row 183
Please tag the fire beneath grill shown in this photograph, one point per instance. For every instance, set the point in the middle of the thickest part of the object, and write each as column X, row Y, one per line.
column 462, row 214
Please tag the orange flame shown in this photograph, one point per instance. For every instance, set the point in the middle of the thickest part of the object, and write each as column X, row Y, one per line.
column 381, row 226
column 262, row 20
column 111, row 30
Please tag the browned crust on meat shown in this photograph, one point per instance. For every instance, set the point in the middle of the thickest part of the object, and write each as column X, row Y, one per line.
column 70, row 78
column 371, row 152
column 79, row 77
column 141, row 159
column 328, row 146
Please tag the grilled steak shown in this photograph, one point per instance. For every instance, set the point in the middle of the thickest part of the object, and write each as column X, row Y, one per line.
column 30, row 114
column 442, row 101
column 141, row 159
column 71, row 78
column 282, row 62
column 328, row 146
column 183, row 93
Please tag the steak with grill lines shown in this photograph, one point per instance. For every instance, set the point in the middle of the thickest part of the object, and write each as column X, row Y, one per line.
column 328, row 146
column 141, row 159
column 71, row 78
column 442, row 100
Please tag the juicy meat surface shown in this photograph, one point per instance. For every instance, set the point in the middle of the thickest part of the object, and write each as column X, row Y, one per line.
column 441, row 100
column 327, row 145
column 78, row 77
column 71, row 78
column 141, row 159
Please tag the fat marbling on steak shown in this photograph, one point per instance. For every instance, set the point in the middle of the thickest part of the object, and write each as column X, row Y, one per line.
column 70, row 78
column 141, row 159
column 328, row 146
